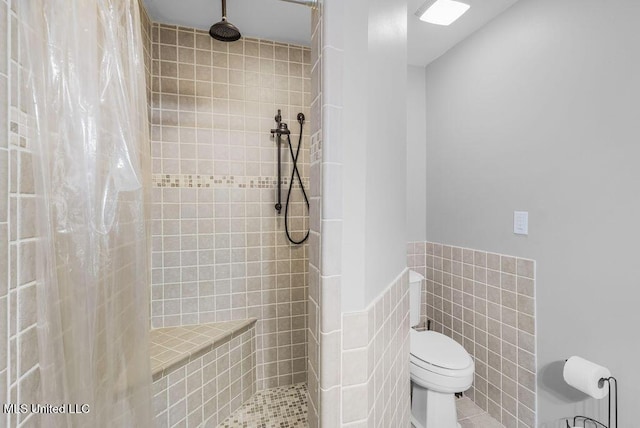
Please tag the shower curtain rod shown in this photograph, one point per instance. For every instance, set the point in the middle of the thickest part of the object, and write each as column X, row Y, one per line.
column 310, row 3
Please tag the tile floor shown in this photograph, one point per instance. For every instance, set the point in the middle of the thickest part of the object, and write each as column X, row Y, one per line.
column 281, row 407
column 286, row 407
column 472, row 416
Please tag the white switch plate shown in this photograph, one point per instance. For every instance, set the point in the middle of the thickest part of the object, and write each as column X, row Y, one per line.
column 521, row 222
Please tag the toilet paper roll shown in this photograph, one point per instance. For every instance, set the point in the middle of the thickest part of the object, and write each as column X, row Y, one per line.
column 586, row 376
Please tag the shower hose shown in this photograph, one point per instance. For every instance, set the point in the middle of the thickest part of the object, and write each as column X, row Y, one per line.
column 295, row 173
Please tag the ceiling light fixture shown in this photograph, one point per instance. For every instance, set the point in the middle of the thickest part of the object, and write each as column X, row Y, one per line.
column 441, row 12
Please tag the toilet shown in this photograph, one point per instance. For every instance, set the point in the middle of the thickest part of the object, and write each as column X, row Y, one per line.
column 439, row 366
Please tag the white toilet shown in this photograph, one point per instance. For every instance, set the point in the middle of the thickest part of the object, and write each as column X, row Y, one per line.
column 440, row 368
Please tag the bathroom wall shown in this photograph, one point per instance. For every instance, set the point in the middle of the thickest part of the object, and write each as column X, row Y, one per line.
column 358, row 250
column 19, row 373
column 375, row 363
column 416, row 155
column 219, row 248
column 4, row 203
column 538, row 112
column 486, row 302
column 314, row 314
column 370, row 136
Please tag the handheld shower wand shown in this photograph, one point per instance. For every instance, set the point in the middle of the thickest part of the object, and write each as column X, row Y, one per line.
column 280, row 130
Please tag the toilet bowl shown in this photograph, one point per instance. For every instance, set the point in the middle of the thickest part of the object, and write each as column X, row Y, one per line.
column 439, row 368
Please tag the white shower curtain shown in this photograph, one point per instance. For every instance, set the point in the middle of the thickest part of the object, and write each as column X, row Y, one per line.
column 84, row 71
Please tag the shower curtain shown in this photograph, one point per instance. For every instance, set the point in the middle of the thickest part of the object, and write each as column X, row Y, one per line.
column 84, row 71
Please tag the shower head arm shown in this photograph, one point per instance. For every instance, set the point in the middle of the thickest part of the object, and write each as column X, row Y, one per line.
column 224, row 31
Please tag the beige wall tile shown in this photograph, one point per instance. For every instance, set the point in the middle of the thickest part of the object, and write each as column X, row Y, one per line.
column 487, row 303
column 208, row 128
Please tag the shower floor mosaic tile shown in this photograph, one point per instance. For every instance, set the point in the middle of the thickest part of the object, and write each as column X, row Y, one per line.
column 286, row 407
column 281, row 407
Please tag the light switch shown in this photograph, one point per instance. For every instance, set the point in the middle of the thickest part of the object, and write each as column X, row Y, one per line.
column 521, row 222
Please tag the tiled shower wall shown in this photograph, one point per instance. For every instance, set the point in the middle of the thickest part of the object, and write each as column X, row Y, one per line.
column 375, row 361
column 486, row 302
column 219, row 248
column 4, row 203
column 313, row 304
column 19, row 372
column 145, row 30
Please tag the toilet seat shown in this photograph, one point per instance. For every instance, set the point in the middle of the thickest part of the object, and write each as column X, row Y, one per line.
column 439, row 363
column 438, row 352
column 417, row 362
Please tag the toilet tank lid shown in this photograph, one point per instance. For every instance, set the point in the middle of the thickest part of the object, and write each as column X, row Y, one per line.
column 439, row 350
column 414, row 276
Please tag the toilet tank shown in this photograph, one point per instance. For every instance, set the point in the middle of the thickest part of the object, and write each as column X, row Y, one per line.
column 415, row 296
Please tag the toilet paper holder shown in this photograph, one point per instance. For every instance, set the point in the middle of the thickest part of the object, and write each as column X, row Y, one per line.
column 586, row 421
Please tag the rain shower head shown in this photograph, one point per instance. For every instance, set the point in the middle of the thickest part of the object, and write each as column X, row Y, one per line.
column 224, row 31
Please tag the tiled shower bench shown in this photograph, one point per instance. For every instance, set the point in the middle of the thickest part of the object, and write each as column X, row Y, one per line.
column 202, row 373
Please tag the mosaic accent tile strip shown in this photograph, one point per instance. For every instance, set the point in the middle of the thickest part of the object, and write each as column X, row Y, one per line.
column 316, row 147
column 222, row 181
column 486, row 302
column 19, row 127
column 280, row 407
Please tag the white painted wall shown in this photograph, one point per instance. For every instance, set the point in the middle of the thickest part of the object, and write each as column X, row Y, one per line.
column 368, row 79
column 264, row 19
column 539, row 111
column 385, row 102
column 416, row 155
